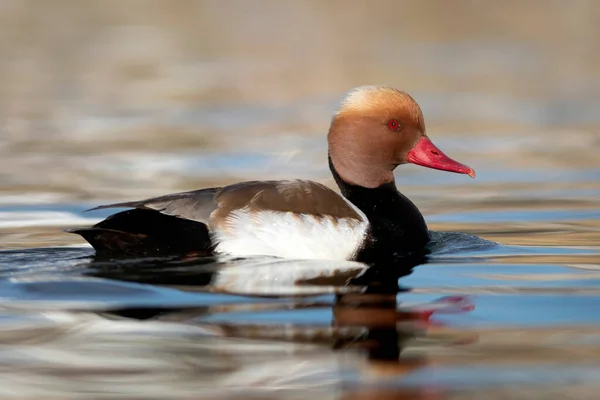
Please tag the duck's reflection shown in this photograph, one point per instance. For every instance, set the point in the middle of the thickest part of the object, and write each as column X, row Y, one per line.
column 363, row 301
column 260, row 276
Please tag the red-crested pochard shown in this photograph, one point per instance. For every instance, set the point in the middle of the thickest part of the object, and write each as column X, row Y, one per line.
column 375, row 130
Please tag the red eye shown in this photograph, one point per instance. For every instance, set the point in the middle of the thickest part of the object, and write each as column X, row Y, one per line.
column 393, row 124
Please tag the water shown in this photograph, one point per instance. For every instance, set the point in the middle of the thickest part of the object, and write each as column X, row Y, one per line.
column 103, row 102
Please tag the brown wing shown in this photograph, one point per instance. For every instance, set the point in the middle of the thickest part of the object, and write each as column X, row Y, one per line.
column 196, row 205
column 298, row 196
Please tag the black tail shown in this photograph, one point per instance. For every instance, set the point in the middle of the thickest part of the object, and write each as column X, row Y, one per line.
column 144, row 233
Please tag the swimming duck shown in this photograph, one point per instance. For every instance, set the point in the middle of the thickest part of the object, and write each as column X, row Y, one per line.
column 375, row 130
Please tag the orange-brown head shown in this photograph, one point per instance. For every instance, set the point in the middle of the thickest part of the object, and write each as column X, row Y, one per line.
column 378, row 128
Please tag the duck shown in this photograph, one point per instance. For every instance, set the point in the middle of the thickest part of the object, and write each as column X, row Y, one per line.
column 375, row 130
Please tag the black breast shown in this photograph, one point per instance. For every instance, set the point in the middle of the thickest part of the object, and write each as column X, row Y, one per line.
column 397, row 227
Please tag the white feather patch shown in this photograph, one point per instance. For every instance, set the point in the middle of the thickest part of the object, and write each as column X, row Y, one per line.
column 289, row 235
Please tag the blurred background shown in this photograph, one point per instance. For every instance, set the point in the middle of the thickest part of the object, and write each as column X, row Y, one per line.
column 107, row 100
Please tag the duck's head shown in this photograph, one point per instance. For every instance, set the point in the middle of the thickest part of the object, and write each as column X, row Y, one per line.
column 378, row 128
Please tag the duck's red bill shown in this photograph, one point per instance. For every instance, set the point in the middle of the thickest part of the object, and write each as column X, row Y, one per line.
column 426, row 154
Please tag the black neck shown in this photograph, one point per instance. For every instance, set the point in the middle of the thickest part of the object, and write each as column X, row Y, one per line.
column 396, row 224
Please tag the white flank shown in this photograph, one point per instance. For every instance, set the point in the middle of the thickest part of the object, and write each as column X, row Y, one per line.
column 290, row 235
